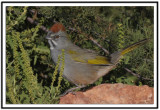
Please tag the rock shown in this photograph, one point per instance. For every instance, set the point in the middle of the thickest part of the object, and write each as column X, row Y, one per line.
column 111, row 94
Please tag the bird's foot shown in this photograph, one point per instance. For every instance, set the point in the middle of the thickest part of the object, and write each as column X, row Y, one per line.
column 71, row 90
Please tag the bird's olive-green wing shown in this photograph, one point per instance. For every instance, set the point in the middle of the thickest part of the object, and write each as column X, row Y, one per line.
column 88, row 57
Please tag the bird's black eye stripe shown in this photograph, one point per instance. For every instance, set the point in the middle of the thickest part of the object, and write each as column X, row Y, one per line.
column 55, row 36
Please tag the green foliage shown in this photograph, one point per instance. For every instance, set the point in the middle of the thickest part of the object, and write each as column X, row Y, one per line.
column 61, row 59
column 24, row 53
column 31, row 75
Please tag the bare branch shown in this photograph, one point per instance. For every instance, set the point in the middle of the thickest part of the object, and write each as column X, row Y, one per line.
column 90, row 38
column 137, row 75
column 95, row 42
column 34, row 22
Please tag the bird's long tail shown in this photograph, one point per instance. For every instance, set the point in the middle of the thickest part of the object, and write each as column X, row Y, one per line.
column 115, row 57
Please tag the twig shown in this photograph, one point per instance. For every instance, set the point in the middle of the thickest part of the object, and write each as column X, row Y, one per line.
column 95, row 42
column 137, row 75
column 34, row 22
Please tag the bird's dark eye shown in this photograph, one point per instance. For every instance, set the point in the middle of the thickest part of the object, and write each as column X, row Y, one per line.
column 56, row 37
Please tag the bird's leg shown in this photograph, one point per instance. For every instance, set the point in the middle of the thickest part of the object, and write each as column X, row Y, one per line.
column 71, row 90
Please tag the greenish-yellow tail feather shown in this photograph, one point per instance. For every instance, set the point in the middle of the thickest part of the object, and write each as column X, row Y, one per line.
column 115, row 57
column 133, row 46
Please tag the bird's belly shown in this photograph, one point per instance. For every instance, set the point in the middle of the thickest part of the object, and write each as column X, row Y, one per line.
column 81, row 74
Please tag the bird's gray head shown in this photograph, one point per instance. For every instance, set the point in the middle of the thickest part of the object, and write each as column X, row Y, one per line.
column 57, row 36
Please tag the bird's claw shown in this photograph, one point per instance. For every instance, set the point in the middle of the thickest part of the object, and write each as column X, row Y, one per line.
column 72, row 92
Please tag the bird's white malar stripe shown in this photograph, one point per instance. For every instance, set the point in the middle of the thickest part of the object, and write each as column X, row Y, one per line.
column 54, row 42
column 51, row 46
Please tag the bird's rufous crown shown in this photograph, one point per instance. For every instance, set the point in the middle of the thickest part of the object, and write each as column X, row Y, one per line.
column 57, row 27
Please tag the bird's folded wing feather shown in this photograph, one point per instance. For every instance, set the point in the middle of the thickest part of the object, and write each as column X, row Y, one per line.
column 88, row 57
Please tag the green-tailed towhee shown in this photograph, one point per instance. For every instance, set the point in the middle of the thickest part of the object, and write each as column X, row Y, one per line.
column 82, row 67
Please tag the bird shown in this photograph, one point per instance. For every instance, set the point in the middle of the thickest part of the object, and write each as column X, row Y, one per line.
column 82, row 67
